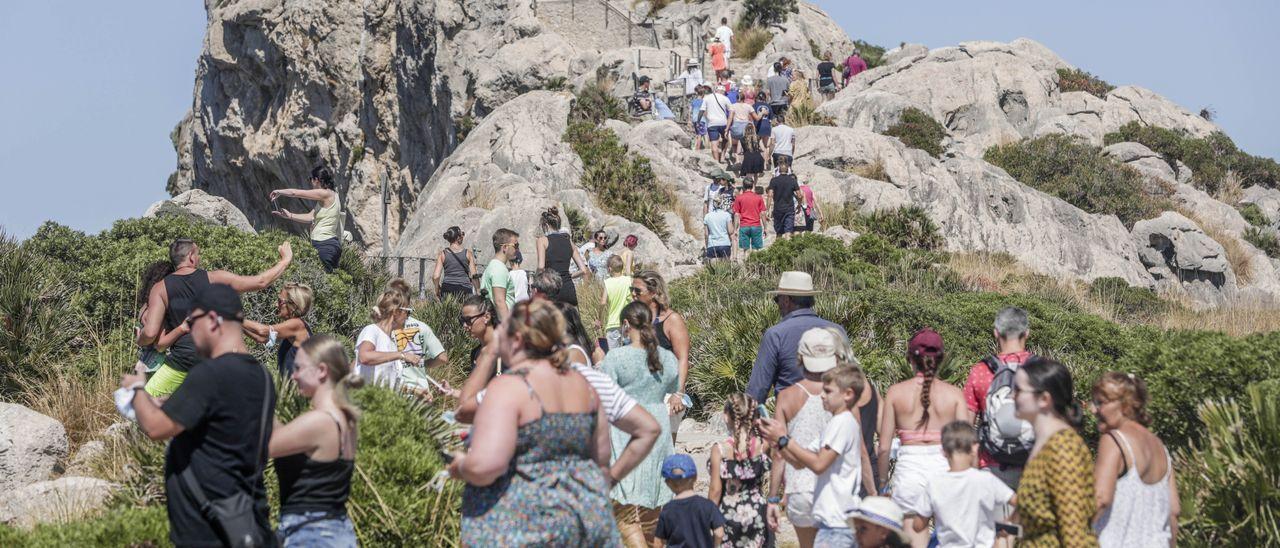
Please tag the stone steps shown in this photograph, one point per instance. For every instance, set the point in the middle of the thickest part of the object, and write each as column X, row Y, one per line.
column 588, row 24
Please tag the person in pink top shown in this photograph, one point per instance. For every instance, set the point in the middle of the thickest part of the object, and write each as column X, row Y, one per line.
column 1011, row 329
column 812, row 211
column 915, row 411
column 853, row 65
column 719, row 61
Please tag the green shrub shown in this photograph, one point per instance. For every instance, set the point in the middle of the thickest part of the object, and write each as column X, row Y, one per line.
column 750, row 40
column 104, row 269
column 622, row 183
column 1264, row 241
column 1253, row 215
column 815, row 50
column 871, row 53
column 766, row 12
column 908, row 227
column 826, row 258
column 594, row 103
column 804, row 113
column 578, row 229
column 917, row 129
column 1079, row 80
column 1228, row 482
column 36, row 327
column 1129, row 302
column 129, row 526
column 1210, row 158
column 1067, row 167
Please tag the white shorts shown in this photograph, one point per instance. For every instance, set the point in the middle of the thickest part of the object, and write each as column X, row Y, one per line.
column 916, row 464
column 800, row 510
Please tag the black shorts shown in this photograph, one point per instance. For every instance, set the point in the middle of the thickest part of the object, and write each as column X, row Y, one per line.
column 777, row 110
column 784, row 223
column 330, row 251
column 458, row 291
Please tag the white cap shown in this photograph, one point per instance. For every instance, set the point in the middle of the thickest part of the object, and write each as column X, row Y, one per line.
column 817, row 350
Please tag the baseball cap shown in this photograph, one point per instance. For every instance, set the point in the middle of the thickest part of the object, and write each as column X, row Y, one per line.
column 926, row 342
column 221, row 299
column 880, row 511
column 818, row 350
column 679, row 466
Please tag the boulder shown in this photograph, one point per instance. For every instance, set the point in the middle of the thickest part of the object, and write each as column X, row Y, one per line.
column 31, row 446
column 84, row 458
column 1172, row 180
column 905, row 51
column 1178, row 253
column 200, row 206
column 841, row 233
column 57, row 501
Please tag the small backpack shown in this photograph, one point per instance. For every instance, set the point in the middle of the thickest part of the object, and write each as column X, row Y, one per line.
column 1001, row 433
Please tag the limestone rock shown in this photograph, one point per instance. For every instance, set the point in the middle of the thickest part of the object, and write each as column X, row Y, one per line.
column 1267, row 200
column 841, row 233
column 84, row 457
column 198, row 205
column 31, row 446
column 905, row 51
column 1173, row 178
column 1178, row 253
column 57, row 501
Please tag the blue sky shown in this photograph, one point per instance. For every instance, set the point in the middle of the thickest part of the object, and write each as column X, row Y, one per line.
column 92, row 89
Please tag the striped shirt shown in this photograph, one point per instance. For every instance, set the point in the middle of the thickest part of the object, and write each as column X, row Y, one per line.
column 615, row 401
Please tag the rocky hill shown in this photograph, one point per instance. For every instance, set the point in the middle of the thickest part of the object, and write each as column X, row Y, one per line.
column 386, row 88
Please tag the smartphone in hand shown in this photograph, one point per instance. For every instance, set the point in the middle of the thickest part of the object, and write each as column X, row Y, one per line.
column 1012, row 529
column 763, row 411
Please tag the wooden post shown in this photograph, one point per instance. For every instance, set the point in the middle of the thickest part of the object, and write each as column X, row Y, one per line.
column 422, row 277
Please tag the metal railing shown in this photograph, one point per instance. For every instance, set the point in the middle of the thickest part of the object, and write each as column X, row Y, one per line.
column 417, row 267
column 636, row 32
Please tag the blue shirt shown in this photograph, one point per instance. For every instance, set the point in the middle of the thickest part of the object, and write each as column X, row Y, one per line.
column 717, row 222
column 688, row 522
column 776, row 365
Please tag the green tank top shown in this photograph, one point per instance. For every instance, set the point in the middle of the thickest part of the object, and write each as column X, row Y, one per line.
column 327, row 222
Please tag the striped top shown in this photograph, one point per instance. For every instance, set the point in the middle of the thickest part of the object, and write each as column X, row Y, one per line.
column 616, row 403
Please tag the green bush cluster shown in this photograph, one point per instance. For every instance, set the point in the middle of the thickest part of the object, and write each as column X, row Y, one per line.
column 35, row 328
column 871, row 53
column 1210, row 158
column 1263, row 240
column 767, row 12
column 1130, row 302
column 125, row 526
column 1079, row 80
column 622, row 183
column 1067, row 167
column 594, row 103
column 1253, row 215
column 917, row 129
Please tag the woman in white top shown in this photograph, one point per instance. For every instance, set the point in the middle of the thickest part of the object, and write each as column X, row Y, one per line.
column 1133, row 478
column 378, row 360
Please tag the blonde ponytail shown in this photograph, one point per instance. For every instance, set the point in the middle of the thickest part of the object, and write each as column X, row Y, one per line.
column 328, row 352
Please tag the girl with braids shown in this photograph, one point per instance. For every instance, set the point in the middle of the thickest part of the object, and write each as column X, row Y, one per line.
column 915, row 412
column 738, row 469
column 556, row 251
column 535, row 467
column 649, row 288
column 646, row 372
column 315, row 453
column 1055, row 495
column 325, row 219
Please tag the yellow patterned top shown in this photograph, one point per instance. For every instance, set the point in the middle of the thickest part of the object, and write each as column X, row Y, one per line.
column 1055, row 496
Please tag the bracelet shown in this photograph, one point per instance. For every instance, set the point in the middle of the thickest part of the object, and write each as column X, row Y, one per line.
column 774, row 500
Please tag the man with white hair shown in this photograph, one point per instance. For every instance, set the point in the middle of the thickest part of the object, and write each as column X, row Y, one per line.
column 1010, row 330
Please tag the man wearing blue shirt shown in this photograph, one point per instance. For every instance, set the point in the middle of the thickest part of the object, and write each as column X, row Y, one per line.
column 775, row 367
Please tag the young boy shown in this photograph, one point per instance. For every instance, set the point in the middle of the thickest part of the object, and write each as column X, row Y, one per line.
column 617, row 293
column 964, row 501
column 836, row 457
column 689, row 519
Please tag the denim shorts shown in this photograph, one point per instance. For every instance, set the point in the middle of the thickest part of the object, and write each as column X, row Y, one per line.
column 315, row 529
column 834, row 537
column 784, row 223
column 716, row 133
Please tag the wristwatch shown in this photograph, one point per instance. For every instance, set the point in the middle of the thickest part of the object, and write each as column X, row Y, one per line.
column 783, row 441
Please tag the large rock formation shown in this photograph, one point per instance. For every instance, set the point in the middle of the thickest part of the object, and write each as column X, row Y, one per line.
column 200, row 206
column 31, row 446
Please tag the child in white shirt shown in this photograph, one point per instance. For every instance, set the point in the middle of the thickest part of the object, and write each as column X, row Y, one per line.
column 963, row 501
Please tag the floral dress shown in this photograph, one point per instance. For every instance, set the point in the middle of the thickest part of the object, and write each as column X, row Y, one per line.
column 743, row 501
column 1055, row 495
column 553, row 494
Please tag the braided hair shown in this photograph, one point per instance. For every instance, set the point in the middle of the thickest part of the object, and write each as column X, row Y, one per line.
column 742, row 412
column 639, row 319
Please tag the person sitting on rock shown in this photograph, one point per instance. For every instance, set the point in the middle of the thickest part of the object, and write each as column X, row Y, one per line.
column 641, row 102
column 325, row 219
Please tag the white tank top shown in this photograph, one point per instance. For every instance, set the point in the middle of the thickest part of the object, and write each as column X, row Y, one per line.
column 803, row 428
column 1139, row 512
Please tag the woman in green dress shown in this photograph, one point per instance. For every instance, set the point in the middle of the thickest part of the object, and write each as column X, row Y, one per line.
column 648, row 373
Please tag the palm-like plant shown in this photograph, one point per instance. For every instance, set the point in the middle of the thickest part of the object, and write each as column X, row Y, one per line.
column 1230, row 480
column 36, row 323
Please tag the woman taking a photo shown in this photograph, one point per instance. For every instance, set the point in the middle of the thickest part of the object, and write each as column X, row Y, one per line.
column 315, row 453
column 325, row 219
column 457, row 265
column 915, row 412
column 555, row 251
column 535, row 468
column 1137, row 497
column 1055, row 496
column 649, row 288
column 647, row 373
column 292, row 306
column 377, row 358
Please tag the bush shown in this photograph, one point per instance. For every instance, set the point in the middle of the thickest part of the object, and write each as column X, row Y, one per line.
column 908, row 227
column 1079, row 80
column 803, row 113
column 1211, row 158
column 1253, row 215
column 1129, row 302
column 623, row 183
column 594, row 103
column 36, row 327
column 1227, row 483
column 104, row 269
column 130, row 526
column 1264, row 241
column 916, row 129
column 1076, row 172
column 766, row 12
column 750, row 40
column 871, row 53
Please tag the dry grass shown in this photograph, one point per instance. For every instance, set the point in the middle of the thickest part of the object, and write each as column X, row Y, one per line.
column 82, row 401
column 1230, row 189
column 874, row 170
column 749, row 41
column 691, row 223
column 479, row 195
column 1002, row 273
column 1237, row 318
column 1238, row 255
column 803, row 113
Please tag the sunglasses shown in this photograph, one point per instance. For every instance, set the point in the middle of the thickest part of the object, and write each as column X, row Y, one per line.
column 467, row 320
column 515, row 245
column 407, row 309
column 191, row 320
column 636, row 291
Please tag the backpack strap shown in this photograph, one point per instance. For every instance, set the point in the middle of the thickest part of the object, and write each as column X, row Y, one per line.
column 993, row 363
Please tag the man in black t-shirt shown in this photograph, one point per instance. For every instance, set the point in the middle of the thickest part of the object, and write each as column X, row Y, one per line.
column 784, row 192
column 215, row 420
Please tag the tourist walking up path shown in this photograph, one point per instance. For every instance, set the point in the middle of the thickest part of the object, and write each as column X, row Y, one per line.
column 539, row 448
column 1005, row 440
column 325, row 219
column 1055, row 496
column 1133, row 479
column 963, row 501
column 647, row 373
column 556, row 251
column 748, row 209
column 650, row 288
column 739, row 468
column 315, row 453
column 911, row 407
column 496, row 283
column 775, row 367
column 689, row 520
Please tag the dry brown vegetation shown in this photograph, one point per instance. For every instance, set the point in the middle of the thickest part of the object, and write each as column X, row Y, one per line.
column 1238, row 255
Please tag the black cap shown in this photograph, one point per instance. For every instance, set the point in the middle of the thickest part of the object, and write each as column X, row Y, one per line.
column 222, row 299
column 644, row 79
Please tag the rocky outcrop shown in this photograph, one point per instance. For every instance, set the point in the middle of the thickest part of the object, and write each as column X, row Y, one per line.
column 31, row 446
column 989, row 93
column 64, row 499
column 1178, row 254
column 200, row 206
column 1267, row 200
column 1175, row 181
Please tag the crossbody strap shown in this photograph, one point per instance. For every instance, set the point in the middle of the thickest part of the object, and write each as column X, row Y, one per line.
column 188, row 477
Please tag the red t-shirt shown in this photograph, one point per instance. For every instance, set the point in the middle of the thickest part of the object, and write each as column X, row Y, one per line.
column 975, row 392
column 749, row 206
